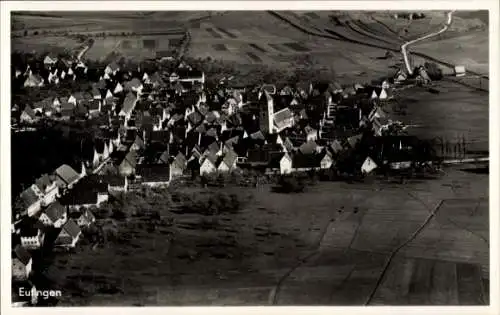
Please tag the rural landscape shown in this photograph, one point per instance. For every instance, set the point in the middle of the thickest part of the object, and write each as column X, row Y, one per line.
column 178, row 158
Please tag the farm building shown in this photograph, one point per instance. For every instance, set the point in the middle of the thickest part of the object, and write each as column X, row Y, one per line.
column 459, row 71
column 69, row 235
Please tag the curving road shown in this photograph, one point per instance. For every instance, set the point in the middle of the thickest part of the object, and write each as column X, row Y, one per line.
column 405, row 45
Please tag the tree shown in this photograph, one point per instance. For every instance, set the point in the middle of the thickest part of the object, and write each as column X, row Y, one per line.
column 433, row 70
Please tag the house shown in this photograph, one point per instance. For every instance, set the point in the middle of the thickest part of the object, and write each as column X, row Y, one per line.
column 128, row 106
column 368, row 165
column 281, row 162
column 126, row 166
column 67, row 110
column 66, row 176
column 50, row 60
column 311, row 133
column 153, row 175
column 309, row 147
column 28, row 115
column 459, row 71
column 208, row 164
column 22, row 264
column 48, row 187
column 134, row 85
column 54, row 216
column 283, row 119
column 112, row 69
column 305, row 162
column 86, row 218
column 116, row 183
column 93, row 107
column 178, row 165
column 30, row 202
column 336, row 147
column 138, row 144
column 325, row 160
column 191, row 76
column 400, row 76
column 354, row 140
column 164, row 55
column 228, row 162
column 31, row 233
column 78, row 97
column 423, row 76
column 69, row 235
column 118, row 89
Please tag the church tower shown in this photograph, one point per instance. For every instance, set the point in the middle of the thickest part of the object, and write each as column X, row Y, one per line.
column 266, row 112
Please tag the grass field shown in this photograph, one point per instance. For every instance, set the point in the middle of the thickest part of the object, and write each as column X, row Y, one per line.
column 468, row 50
column 454, row 113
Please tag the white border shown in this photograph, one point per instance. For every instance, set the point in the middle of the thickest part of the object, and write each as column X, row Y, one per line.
column 491, row 5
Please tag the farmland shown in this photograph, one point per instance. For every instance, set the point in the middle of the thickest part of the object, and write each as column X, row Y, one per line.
column 260, row 38
column 333, row 227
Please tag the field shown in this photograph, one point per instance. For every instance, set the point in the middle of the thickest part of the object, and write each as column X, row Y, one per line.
column 468, row 50
column 254, row 257
column 45, row 44
column 263, row 39
column 454, row 113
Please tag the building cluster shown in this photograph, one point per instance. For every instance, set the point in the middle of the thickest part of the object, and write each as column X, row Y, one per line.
column 163, row 125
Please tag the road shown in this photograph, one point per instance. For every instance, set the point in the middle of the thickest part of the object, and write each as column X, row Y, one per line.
column 405, row 45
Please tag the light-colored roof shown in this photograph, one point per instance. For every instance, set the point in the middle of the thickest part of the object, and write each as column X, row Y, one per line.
column 128, row 104
column 282, row 116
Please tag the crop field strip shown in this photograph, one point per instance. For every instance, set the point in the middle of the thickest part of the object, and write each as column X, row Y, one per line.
column 257, row 47
column 214, row 34
column 254, row 57
column 220, row 47
column 226, row 32
column 297, row 47
column 278, row 47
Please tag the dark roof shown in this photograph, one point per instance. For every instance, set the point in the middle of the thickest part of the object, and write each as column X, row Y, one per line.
column 79, row 196
column 43, row 182
column 113, row 180
column 195, row 118
column 159, row 136
column 71, row 228
column 30, row 227
column 180, row 160
column 114, row 66
column 300, row 160
column 213, row 148
column 184, row 73
column 308, row 147
column 28, row 197
column 66, row 173
column 153, row 172
column 275, row 159
column 55, row 211
column 22, row 254
column 230, row 157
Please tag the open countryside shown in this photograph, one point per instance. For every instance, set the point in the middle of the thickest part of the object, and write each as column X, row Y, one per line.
column 251, row 158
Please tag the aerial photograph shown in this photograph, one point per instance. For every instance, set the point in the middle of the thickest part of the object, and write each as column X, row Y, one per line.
column 249, row 158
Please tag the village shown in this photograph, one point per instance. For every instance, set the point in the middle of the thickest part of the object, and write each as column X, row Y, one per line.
column 162, row 125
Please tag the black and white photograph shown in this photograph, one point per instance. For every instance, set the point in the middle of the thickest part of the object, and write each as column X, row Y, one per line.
column 267, row 157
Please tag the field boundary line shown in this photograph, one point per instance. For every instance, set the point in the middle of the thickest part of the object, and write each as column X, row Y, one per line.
column 397, row 249
column 273, row 295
